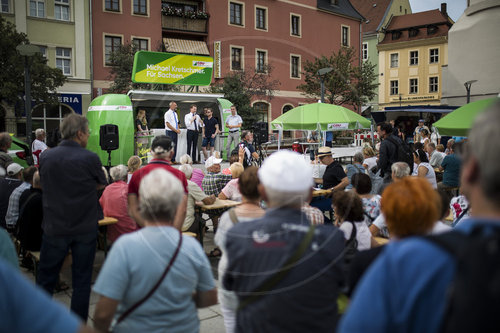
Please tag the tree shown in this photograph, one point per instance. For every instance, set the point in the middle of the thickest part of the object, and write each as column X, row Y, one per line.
column 240, row 87
column 122, row 62
column 347, row 84
column 44, row 79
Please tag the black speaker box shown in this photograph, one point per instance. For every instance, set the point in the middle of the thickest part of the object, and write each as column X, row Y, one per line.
column 108, row 137
column 260, row 133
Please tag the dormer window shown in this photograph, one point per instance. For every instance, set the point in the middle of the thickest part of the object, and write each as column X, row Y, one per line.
column 413, row 32
column 334, row 2
column 396, row 35
column 432, row 29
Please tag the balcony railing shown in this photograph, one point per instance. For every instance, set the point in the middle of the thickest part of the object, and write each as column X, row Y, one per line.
column 184, row 23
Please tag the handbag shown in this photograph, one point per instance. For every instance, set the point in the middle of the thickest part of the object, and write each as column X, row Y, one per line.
column 157, row 284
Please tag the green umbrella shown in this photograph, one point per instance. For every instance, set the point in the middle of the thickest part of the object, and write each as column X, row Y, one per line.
column 328, row 117
column 459, row 122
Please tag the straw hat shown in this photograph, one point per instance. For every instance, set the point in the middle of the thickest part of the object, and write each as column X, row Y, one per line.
column 324, row 151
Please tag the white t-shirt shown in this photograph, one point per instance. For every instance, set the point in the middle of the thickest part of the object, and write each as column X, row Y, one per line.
column 38, row 145
column 233, row 121
column 232, row 190
column 430, row 176
column 363, row 235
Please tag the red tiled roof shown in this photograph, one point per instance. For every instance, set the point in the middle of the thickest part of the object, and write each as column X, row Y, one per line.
column 422, row 19
column 417, row 19
column 374, row 14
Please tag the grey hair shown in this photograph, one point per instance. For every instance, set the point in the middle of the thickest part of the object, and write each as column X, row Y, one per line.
column 358, row 157
column 119, row 172
column 400, row 169
column 160, row 194
column 71, row 124
column 285, row 199
column 5, row 139
column 187, row 169
column 185, row 159
column 39, row 132
column 483, row 145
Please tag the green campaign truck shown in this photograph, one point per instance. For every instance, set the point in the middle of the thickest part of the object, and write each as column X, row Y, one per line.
column 121, row 110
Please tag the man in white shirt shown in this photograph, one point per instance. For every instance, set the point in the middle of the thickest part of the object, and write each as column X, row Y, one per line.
column 172, row 126
column 233, row 123
column 38, row 145
column 193, row 124
column 435, row 157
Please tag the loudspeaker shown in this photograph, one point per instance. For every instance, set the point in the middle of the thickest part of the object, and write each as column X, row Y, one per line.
column 108, row 137
column 260, row 133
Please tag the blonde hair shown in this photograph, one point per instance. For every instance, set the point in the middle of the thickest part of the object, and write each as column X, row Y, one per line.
column 368, row 151
column 236, row 169
column 134, row 163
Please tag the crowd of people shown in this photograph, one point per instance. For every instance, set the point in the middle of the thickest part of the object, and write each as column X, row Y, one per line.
column 285, row 264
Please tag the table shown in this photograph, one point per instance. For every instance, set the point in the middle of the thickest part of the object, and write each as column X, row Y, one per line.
column 345, row 152
column 308, row 145
column 201, row 208
column 103, row 227
column 321, row 192
column 381, row 240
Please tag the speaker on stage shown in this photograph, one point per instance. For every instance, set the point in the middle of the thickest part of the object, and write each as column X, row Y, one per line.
column 108, row 137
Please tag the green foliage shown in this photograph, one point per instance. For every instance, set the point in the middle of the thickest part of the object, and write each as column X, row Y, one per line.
column 240, row 87
column 122, row 63
column 346, row 84
column 44, row 79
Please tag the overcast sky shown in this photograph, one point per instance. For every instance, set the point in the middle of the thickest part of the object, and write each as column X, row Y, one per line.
column 455, row 7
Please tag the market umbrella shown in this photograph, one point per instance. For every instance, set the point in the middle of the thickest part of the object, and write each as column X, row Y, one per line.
column 320, row 116
column 459, row 122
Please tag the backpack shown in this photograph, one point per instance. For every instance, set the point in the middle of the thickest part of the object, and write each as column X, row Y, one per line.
column 474, row 295
column 403, row 153
column 247, row 160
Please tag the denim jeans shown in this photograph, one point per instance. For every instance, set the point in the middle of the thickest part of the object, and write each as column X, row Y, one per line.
column 173, row 135
column 52, row 254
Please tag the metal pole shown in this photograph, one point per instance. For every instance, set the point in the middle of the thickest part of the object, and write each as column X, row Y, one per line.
column 27, row 101
column 322, row 89
column 467, row 87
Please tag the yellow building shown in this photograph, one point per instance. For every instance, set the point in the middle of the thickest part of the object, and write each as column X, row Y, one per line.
column 411, row 55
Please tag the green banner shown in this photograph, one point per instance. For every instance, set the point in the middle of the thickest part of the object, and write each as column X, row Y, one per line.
column 172, row 68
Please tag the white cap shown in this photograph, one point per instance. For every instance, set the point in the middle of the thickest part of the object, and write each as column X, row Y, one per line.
column 14, row 169
column 286, row 171
column 211, row 161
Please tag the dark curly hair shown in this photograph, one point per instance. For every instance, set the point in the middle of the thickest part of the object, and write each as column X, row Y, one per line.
column 348, row 205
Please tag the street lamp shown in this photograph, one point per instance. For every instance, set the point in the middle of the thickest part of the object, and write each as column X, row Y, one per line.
column 27, row 51
column 467, row 85
column 321, row 73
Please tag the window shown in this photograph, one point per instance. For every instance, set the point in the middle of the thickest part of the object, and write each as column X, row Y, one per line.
column 433, row 84
column 413, row 58
column 396, row 35
column 365, row 51
column 394, row 60
column 413, row 32
column 236, row 58
column 295, row 25
column 43, row 50
column 5, row 6
column 413, row 86
column 179, row 6
column 235, row 13
column 111, row 44
column 260, row 18
column 37, row 8
column 345, row 36
column 260, row 66
column 49, row 117
column 432, row 29
column 141, row 7
column 295, row 66
column 112, row 5
column 63, row 60
column 140, row 44
column 261, row 109
column 286, row 108
column 61, row 9
column 394, row 87
column 434, row 56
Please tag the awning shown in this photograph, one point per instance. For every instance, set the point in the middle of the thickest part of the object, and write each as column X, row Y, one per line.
column 185, row 46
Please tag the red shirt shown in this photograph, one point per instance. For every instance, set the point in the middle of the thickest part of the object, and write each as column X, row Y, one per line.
column 135, row 181
column 114, row 203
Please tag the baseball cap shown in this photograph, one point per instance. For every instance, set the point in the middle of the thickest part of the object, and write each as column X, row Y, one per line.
column 211, row 161
column 421, row 121
column 14, row 169
column 286, row 171
column 161, row 144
